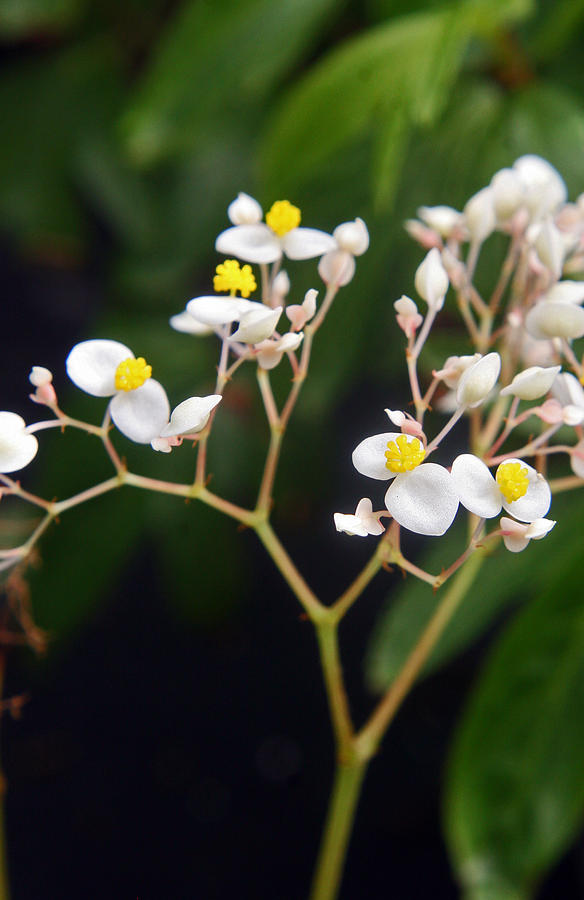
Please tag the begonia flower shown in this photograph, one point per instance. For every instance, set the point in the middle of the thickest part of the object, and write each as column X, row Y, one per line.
column 431, row 280
column 270, row 352
column 544, row 188
column 517, row 535
column 363, row 523
column 478, row 380
column 187, row 324
column 407, row 316
column 17, row 447
column 189, row 417
column 300, row 314
column 531, row 383
column 516, row 487
column 139, row 406
column 257, row 242
column 257, row 324
column 421, row 498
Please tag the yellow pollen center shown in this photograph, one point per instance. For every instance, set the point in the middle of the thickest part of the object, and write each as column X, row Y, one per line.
column 513, row 480
column 132, row 373
column 231, row 277
column 283, row 217
column 403, row 455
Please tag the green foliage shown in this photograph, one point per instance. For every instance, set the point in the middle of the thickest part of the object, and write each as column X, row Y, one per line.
column 216, row 63
column 19, row 18
column 515, row 791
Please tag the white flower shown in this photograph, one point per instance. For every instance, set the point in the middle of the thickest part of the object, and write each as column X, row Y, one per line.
column 257, row 324
column 544, row 189
column 444, row 220
column 478, row 380
column 352, row 237
column 265, row 243
column 577, row 459
column 139, row 406
column 300, row 314
column 189, row 417
column 516, row 535
column 244, row 210
column 479, row 215
column 549, row 245
column 431, row 279
column 554, row 319
column 363, row 523
column 42, row 379
column 454, row 368
column 407, row 316
column 565, row 292
column 508, row 194
column 213, row 311
column 17, row 447
column 270, row 352
column 421, row 497
column 532, row 383
column 517, row 488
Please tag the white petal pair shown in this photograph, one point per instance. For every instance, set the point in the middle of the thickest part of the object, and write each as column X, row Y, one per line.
column 479, row 492
column 139, row 414
column 17, row 447
column 423, row 500
column 259, row 244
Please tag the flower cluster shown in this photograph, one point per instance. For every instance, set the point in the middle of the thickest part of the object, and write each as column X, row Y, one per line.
column 523, row 336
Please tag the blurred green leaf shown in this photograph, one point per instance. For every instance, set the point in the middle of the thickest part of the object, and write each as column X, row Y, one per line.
column 404, row 67
column 215, row 62
column 19, row 18
column 46, row 116
column 491, row 588
column 515, row 791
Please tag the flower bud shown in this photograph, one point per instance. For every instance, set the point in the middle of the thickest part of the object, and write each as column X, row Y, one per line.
column 544, row 189
column 431, row 280
column 257, row 325
column 352, row 237
column 408, row 317
column 280, row 287
column 508, row 194
column 549, row 246
column 479, row 215
column 337, row 267
column 479, row 380
column 244, row 210
column 551, row 320
column 532, row 383
column 41, row 379
column 444, row 220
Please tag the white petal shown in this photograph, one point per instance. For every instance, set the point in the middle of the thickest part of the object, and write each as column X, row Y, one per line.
column 577, row 460
column 188, row 325
column 244, row 210
column 478, row 380
column 476, row 488
column 565, row 292
column 352, row 237
column 337, row 267
column 431, row 279
column 544, row 188
column 550, row 320
column 479, row 214
column 532, row 383
column 191, row 415
column 369, row 456
column 443, row 219
column 350, row 524
column 539, row 528
column 568, row 390
column 252, row 243
column 516, row 538
column 371, row 522
column 423, row 500
column 215, row 310
column 508, row 194
column 536, row 502
column 92, row 365
column 306, row 243
column 141, row 414
column 17, row 448
column 257, row 324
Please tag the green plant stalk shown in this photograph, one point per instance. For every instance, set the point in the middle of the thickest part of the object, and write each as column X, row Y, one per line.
column 339, row 824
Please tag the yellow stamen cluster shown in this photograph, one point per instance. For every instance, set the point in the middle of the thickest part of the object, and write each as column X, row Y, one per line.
column 283, row 217
column 132, row 373
column 513, row 480
column 403, row 455
column 231, row 277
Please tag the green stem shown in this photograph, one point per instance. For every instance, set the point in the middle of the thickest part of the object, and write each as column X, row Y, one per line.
column 339, row 823
column 327, row 634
